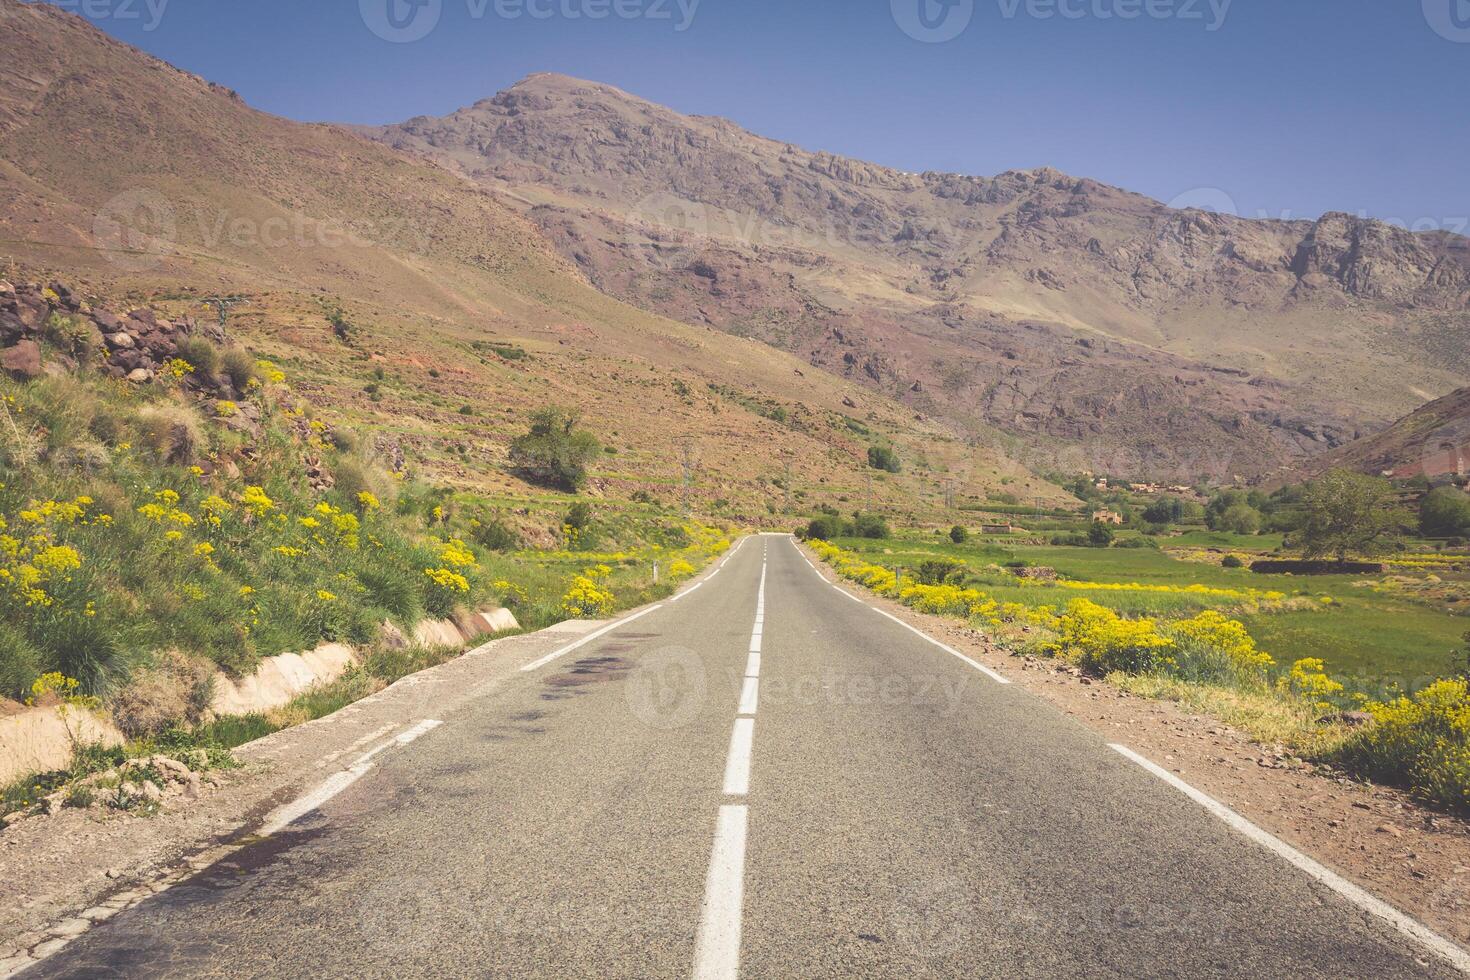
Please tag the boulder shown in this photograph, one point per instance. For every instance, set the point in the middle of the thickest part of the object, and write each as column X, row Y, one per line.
column 140, row 376
column 121, row 341
column 23, row 361
column 11, row 328
column 106, row 321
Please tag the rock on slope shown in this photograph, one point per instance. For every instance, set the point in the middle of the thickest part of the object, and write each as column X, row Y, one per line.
column 125, row 176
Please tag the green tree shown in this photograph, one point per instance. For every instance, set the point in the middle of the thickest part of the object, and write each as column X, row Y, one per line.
column 1346, row 513
column 1165, row 510
column 1099, row 535
column 869, row 526
column 1234, row 503
column 555, row 453
column 1445, row 513
column 825, row 528
column 1240, row 519
column 883, row 458
column 958, row 534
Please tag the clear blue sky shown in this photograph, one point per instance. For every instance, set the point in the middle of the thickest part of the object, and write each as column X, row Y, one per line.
column 1289, row 106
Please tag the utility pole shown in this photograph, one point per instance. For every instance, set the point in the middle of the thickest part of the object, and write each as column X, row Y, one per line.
column 688, row 461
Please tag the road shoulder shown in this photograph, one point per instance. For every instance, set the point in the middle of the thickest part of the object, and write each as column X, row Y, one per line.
column 1378, row 838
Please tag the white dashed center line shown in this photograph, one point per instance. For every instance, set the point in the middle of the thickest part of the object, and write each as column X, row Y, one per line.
column 717, row 945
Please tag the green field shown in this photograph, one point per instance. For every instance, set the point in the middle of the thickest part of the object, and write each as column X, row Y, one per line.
column 1370, row 641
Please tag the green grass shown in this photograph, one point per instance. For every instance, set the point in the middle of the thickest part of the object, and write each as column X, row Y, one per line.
column 1372, row 642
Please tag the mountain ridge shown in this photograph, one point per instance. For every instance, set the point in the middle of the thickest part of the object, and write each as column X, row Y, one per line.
column 819, row 254
column 389, row 290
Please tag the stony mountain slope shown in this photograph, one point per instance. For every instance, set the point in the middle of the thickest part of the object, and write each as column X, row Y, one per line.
column 1432, row 441
column 1072, row 314
column 135, row 181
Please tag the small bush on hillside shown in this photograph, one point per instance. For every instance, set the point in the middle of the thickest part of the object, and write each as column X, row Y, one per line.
column 870, row 526
column 555, row 453
column 938, row 571
column 1232, row 561
column 199, row 352
column 239, row 367
column 883, row 458
column 172, row 434
column 579, row 517
column 493, row 534
column 958, row 534
column 825, row 528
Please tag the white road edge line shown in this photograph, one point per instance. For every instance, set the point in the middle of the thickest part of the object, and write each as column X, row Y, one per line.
column 737, row 766
column 998, row 678
column 283, row 816
column 1442, row 947
column 717, row 943
column 947, row 649
column 538, row 664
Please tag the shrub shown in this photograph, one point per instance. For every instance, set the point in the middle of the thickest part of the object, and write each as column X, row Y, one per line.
column 494, row 534
column 172, row 691
column 958, row 534
column 200, row 353
column 20, row 662
column 937, row 571
column 586, row 598
column 173, row 434
column 1100, row 535
column 239, row 367
column 883, row 458
column 395, row 588
column 1422, row 743
column 1100, row 641
column 1232, row 561
column 825, row 528
column 555, row 452
column 870, row 526
column 579, row 516
column 1445, row 513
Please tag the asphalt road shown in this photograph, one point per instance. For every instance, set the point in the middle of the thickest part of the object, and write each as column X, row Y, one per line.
column 767, row 777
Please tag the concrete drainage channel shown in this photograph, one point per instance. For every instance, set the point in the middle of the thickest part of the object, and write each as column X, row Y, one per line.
column 442, row 687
